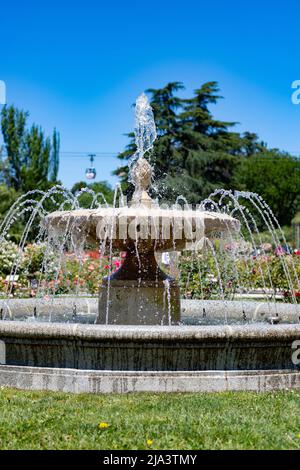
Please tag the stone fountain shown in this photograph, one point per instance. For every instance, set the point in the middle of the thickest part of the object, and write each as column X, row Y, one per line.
column 140, row 292
column 137, row 343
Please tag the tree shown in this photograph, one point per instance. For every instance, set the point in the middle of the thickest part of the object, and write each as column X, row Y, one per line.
column 194, row 152
column 7, row 198
column 54, row 160
column 13, row 125
column 275, row 176
column 32, row 159
column 99, row 188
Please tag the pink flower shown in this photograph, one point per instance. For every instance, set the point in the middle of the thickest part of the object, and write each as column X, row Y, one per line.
column 91, row 267
column 279, row 251
column 117, row 263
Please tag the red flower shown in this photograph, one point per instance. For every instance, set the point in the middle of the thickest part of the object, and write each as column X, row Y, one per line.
column 289, row 294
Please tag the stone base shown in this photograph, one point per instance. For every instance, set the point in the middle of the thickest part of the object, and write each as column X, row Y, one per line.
column 133, row 302
column 91, row 381
column 114, row 358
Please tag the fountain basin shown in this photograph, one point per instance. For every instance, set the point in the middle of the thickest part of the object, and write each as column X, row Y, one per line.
column 71, row 309
column 105, row 358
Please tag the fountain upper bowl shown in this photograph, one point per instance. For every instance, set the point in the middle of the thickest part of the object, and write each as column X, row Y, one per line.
column 163, row 229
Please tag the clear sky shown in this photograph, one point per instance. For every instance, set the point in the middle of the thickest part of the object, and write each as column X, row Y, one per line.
column 79, row 66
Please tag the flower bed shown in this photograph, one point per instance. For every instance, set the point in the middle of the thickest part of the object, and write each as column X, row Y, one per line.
column 216, row 274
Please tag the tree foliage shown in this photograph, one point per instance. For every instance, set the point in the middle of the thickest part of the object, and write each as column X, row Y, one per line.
column 275, row 176
column 100, row 188
column 196, row 154
column 32, row 158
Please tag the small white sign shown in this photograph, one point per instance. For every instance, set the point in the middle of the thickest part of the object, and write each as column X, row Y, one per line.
column 12, row 278
column 2, row 92
column 2, row 353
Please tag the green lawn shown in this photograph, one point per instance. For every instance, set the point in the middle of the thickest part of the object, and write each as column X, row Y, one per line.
column 241, row 420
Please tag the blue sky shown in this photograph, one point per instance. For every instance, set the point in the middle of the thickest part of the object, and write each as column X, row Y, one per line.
column 79, row 66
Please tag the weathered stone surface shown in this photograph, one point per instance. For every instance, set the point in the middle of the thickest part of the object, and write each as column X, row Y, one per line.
column 89, row 381
column 129, row 302
column 150, row 348
column 108, row 358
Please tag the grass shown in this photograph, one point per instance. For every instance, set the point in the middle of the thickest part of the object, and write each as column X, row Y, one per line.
column 231, row 420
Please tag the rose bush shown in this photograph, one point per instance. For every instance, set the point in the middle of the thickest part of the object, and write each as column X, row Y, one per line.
column 40, row 271
column 202, row 275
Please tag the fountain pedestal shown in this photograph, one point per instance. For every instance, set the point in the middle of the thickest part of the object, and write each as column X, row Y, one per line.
column 139, row 293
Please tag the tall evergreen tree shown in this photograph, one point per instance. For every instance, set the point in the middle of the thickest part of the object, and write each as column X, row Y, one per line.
column 32, row 160
column 207, row 147
column 194, row 153
column 54, row 160
column 13, row 125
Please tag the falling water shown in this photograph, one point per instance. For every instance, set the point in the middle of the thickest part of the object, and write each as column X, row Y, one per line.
column 145, row 129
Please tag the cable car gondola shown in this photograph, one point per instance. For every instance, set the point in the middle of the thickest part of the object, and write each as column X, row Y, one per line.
column 90, row 173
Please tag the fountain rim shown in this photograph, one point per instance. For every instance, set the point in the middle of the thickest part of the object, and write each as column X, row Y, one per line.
column 148, row 332
column 142, row 211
